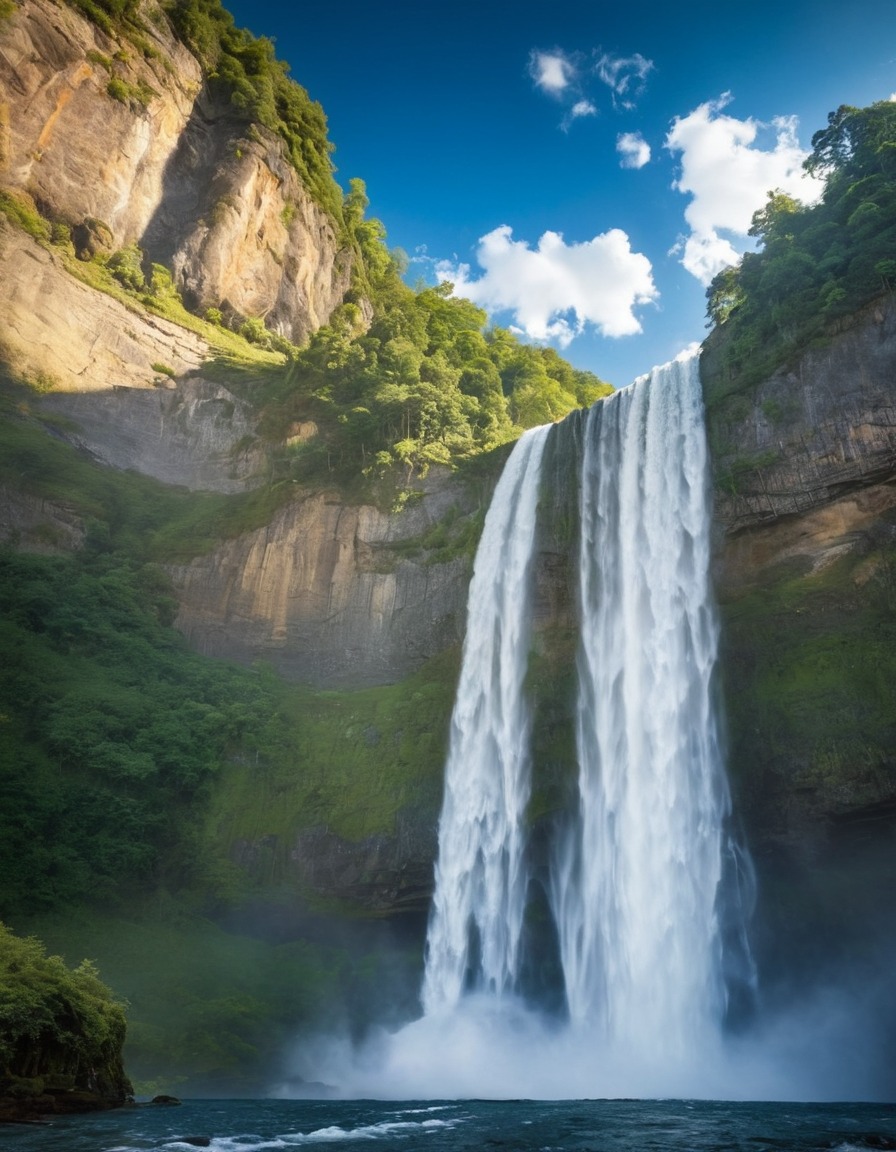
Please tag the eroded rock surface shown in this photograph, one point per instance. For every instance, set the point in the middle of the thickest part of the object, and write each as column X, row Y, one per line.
column 810, row 432
column 325, row 593
column 165, row 165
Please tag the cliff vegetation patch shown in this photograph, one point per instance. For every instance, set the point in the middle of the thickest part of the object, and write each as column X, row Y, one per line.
column 816, row 266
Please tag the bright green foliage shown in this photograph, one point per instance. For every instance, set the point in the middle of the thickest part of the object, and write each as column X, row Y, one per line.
column 817, row 263
column 55, row 1021
column 19, row 209
column 112, row 730
column 126, row 265
column 426, row 383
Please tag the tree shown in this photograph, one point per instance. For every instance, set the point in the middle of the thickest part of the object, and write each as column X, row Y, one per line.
column 857, row 142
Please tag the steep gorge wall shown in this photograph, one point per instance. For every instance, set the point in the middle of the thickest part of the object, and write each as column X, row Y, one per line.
column 328, row 594
column 804, row 468
column 170, row 167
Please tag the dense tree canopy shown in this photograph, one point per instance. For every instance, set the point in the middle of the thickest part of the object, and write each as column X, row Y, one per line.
column 426, row 381
column 56, row 1021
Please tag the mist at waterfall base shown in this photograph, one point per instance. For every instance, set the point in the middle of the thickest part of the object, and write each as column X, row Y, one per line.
column 644, row 883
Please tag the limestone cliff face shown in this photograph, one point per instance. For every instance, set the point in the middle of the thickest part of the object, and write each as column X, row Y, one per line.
column 191, row 432
column 165, row 165
column 325, row 593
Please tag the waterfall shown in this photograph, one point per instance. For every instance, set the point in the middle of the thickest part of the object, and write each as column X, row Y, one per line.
column 480, row 875
column 636, row 875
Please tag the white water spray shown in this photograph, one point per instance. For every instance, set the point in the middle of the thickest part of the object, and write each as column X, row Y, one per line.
column 635, row 878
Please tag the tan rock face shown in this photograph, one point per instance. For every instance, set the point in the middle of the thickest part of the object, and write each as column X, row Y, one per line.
column 75, row 338
column 171, row 168
column 321, row 594
column 78, row 151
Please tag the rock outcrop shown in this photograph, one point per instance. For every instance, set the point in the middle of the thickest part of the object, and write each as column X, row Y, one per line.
column 327, row 592
column 190, row 431
column 812, row 431
column 134, row 147
column 63, row 335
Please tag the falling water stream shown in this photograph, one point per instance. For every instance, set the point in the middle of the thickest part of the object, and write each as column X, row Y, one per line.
column 637, row 875
column 480, row 874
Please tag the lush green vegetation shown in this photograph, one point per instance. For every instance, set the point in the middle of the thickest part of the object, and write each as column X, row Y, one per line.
column 816, row 265
column 130, row 764
column 112, row 731
column 426, row 382
column 59, row 1027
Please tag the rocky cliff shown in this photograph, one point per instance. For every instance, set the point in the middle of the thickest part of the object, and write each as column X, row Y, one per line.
column 327, row 592
column 804, row 467
column 129, row 146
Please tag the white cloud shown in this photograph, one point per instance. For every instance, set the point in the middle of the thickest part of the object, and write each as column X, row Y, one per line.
column 582, row 108
column 634, row 150
column 555, row 290
column 624, row 75
column 728, row 177
column 569, row 77
column 553, row 72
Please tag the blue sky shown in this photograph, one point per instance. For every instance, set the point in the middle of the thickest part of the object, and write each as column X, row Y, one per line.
column 611, row 156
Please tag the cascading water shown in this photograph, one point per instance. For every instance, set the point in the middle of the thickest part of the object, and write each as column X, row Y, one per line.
column 637, row 875
column 480, row 874
column 636, row 872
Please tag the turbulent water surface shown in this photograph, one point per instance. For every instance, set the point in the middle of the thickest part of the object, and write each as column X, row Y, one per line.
column 611, row 1125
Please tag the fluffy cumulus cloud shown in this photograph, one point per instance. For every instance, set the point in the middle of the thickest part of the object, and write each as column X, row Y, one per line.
column 633, row 149
column 555, row 290
column 728, row 175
